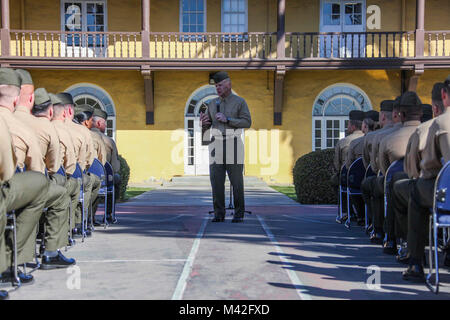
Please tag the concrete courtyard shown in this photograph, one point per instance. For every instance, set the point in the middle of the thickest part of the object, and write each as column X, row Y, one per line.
column 165, row 247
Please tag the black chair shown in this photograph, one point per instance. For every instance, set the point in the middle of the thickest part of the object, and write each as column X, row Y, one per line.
column 396, row 166
column 342, row 190
column 12, row 226
column 98, row 169
column 440, row 219
column 110, row 189
column 355, row 176
column 369, row 173
column 78, row 174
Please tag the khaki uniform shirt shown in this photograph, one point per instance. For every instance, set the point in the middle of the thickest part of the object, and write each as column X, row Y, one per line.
column 235, row 108
column 99, row 146
column 355, row 150
column 416, row 145
column 66, row 147
column 341, row 149
column 374, row 162
column 112, row 155
column 7, row 158
column 367, row 147
column 393, row 146
column 81, row 146
column 26, row 145
column 437, row 146
column 47, row 136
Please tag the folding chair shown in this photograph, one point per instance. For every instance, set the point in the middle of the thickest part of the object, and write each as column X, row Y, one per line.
column 78, row 174
column 98, row 169
column 369, row 173
column 355, row 176
column 110, row 188
column 440, row 219
column 396, row 166
column 12, row 226
column 342, row 189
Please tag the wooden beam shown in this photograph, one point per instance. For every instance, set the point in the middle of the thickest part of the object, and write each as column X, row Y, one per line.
column 4, row 34
column 149, row 96
column 145, row 33
column 420, row 28
column 278, row 95
column 281, row 30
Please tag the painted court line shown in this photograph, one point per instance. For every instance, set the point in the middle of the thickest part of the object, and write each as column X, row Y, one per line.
column 291, row 273
column 309, row 220
column 157, row 220
column 182, row 281
column 150, row 260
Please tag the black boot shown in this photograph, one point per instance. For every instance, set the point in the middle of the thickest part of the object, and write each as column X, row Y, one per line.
column 414, row 272
column 4, row 295
column 59, row 261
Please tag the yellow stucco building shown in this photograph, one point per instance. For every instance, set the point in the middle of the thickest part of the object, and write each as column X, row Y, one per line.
column 301, row 65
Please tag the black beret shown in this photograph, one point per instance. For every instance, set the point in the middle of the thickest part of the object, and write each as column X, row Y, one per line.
column 9, row 77
column 356, row 115
column 41, row 96
column 410, row 99
column 220, row 76
column 24, row 76
column 436, row 92
column 427, row 112
column 84, row 108
column 387, row 105
column 427, row 109
column 447, row 82
column 373, row 114
column 66, row 98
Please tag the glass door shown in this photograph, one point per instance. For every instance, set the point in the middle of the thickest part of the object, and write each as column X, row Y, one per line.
column 78, row 17
column 342, row 17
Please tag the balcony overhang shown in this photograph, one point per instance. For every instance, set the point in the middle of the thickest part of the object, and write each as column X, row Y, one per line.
column 229, row 64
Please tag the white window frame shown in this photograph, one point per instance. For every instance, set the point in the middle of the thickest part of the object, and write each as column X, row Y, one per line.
column 204, row 16
column 323, row 117
column 342, row 14
column 223, row 13
column 323, row 130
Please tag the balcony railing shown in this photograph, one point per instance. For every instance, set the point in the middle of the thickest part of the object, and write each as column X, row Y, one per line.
column 224, row 46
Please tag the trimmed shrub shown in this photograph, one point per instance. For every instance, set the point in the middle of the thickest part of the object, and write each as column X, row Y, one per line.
column 312, row 173
column 125, row 176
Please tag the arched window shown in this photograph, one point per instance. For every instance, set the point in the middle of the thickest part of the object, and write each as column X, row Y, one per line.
column 85, row 93
column 330, row 113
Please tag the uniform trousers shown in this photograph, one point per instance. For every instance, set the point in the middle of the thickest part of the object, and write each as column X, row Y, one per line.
column 56, row 218
column 26, row 194
column 217, row 173
column 366, row 190
column 95, row 200
column 389, row 221
column 420, row 203
column 377, row 204
column 3, row 264
column 401, row 193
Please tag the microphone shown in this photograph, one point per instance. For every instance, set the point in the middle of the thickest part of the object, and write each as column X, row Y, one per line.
column 218, row 105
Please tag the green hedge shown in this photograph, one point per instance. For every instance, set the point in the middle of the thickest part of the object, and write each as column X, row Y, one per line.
column 125, row 176
column 312, row 173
